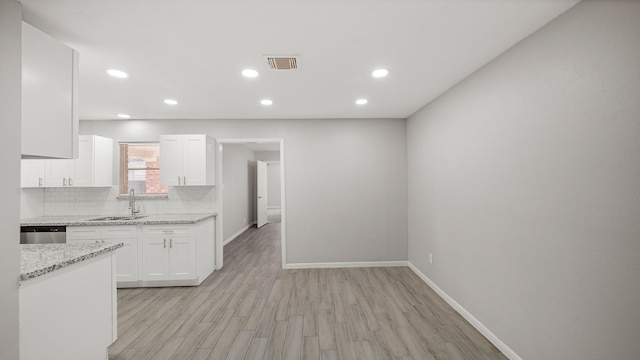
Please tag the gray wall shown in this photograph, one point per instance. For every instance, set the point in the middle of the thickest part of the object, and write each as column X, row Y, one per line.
column 267, row 155
column 238, row 172
column 326, row 220
column 273, row 184
column 10, row 100
column 524, row 183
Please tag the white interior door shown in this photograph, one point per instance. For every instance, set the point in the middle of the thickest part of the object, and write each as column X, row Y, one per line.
column 262, row 193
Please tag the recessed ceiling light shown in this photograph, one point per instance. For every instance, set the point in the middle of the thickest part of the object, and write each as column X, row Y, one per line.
column 266, row 102
column 380, row 73
column 117, row 73
column 362, row 101
column 170, row 102
column 124, row 116
column 250, row 73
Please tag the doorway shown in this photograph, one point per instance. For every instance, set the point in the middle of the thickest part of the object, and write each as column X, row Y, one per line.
column 268, row 182
column 269, row 152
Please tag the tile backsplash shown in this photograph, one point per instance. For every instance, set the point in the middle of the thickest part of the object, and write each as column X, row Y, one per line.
column 105, row 201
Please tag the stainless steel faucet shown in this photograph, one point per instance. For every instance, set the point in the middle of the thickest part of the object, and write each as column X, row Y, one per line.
column 132, row 203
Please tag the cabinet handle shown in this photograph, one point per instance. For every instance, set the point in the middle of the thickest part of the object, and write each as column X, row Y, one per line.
column 39, row 182
column 64, row 181
column 178, row 179
column 70, row 182
column 165, row 243
column 184, row 180
column 170, row 243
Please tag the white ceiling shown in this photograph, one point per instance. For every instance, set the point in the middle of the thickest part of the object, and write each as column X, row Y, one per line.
column 194, row 50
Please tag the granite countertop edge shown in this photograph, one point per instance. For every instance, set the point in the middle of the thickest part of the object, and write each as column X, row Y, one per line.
column 83, row 220
column 39, row 270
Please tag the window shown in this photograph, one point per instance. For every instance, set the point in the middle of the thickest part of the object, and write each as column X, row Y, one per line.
column 140, row 169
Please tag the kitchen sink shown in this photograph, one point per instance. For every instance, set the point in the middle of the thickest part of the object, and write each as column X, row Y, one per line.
column 116, row 218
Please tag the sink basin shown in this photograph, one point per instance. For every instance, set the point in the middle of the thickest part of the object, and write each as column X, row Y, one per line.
column 116, row 218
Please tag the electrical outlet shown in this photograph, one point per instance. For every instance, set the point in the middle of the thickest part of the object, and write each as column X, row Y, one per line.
column 430, row 259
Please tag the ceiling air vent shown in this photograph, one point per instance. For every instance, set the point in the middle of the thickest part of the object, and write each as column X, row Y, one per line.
column 282, row 62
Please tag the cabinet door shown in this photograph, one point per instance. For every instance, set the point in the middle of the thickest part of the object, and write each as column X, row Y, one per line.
column 155, row 259
column 49, row 116
column 84, row 163
column 32, row 173
column 194, row 160
column 182, row 265
column 94, row 165
column 126, row 256
column 171, row 160
column 102, row 161
column 127, row 260
column 58, row 173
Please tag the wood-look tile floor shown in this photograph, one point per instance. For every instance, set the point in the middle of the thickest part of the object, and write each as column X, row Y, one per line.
column 252, row 309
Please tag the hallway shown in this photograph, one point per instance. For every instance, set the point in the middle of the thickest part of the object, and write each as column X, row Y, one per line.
column 252, row 309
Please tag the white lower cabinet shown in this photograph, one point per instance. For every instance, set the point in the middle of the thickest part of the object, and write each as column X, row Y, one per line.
column 177, row 254
column 155, row 259
column 126, row 256
column 69, row 313
column 156, row 255
column 169, row 253
column 170, row 258
column 182, row 258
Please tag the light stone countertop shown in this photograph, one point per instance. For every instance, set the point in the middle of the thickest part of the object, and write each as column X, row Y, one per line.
column 40, row 259
column 84, row 220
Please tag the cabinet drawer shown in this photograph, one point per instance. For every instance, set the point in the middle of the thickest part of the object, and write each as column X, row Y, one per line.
column 119, row 232
column 82, row 241
column 84, row 233
column 167, row 230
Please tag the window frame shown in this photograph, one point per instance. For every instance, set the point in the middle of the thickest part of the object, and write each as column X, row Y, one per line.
column 123, row 167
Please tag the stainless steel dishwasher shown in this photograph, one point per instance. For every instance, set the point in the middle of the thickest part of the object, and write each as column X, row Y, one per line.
column 43, row 234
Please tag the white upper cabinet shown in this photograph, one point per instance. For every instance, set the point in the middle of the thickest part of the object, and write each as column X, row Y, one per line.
column 32, row 173
column 59, row 173
column 194, row 160
column 92, row 168
column 49, row 96
column 171, row 160
column 187, row 160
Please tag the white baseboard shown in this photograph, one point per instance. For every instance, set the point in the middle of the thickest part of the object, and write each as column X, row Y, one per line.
column 345, row 264
column 234, row 236
column 467, row 315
